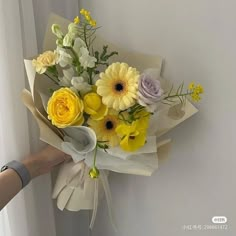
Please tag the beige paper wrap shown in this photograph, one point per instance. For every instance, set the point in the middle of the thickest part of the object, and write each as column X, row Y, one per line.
column 74, row 190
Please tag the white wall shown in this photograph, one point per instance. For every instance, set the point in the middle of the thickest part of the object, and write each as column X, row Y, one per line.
column 198, row 41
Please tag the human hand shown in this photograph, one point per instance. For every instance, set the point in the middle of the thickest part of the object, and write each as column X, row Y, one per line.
column 44, row 161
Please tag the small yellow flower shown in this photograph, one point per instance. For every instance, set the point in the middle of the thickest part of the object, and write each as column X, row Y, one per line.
column 93, row 106
column 44, row 61
column 191, row 86
column 65, row 108
column 199, row 89
column 195, row 97
column 195, row 90
column 77, row 20
column 133, row 136
column 82, row 11
column 93, row 23
column 88, row 17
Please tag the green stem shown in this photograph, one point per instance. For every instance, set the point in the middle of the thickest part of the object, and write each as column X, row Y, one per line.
column 56, row 82
column 90, row 72
column 178, row 95
column 135, row 108
column 85, row 36
column 76, row 60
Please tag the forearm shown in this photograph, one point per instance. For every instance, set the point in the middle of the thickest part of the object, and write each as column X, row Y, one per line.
column 36, row 164
column 10, row 181
column 10, row 185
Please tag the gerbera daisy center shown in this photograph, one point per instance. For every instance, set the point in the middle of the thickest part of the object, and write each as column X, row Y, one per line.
column 109, row 125
column 119, row 87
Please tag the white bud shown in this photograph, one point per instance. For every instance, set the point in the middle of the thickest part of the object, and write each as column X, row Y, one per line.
column 67, row 41
column 56, row 29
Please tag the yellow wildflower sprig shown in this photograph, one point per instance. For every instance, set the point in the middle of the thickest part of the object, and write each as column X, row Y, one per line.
column 77, row 20
column 88, row 29
column 86, row 14
column 193, row 91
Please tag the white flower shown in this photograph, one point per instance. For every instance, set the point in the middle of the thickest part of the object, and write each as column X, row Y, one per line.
column 85, row 59
column 64, row 58
column 95, row 78
column 78, row 44
column 81, row 85
column 66, row 79
column 73, row 30
column 68, row 41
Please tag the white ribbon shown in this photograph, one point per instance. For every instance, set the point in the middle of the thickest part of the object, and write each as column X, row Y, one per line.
column 77, row 178
column 95, row 204
column 107, row 191
column 80, row 144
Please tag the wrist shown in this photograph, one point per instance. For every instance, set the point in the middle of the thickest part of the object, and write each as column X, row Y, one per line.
column 32, row 165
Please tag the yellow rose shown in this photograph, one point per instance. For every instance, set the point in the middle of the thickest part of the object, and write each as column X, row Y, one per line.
column 65, row 108
column 93, row 106
column 44, row 61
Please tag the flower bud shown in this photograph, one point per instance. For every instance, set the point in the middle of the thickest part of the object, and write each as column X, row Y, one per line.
column 56, row 29
column 73, row 30
column 59, row 42
column 94, row 173
column 67, row 41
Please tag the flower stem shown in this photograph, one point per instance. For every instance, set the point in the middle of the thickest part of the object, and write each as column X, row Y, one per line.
column 95, row 155
column 178, row 95
column 85, row 36
column 56, row 82
column 76, row 61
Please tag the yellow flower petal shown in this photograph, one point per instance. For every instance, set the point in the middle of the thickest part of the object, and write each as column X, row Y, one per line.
column 100, row 113
column 65, row 108
column 118, row 86
column 105, row 128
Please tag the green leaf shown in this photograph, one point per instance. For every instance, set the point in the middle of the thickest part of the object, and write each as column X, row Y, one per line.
column 104, row 52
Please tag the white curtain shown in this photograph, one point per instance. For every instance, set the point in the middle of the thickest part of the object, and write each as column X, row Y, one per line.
column 23, row 216
column 31, row 212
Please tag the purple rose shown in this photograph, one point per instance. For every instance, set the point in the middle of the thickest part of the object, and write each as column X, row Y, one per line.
column 149, row 91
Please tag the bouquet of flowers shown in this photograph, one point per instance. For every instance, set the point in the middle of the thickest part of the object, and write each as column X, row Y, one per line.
column 107, row 115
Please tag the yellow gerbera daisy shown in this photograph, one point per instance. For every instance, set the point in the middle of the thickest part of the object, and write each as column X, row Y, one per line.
column 118, row 86
column 105, row 129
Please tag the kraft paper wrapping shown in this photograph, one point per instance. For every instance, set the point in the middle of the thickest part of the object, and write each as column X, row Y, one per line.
column 74, row 190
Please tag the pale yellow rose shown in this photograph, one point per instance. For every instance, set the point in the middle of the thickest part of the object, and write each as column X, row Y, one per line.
column 93, row 106
column 65, row 108
column 44, row 61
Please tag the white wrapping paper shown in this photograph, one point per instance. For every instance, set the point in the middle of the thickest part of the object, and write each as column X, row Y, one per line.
column 74, row 190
